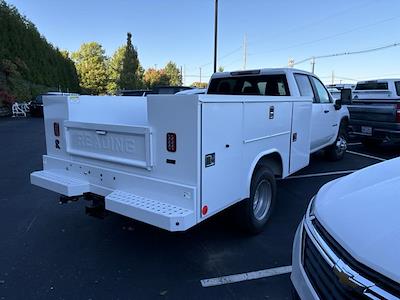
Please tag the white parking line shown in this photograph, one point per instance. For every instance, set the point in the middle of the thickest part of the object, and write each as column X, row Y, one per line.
column 245, row 276
column 366, row 155
column 321, row 174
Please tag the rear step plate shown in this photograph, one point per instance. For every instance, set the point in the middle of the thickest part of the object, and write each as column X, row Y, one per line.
column 154, row 212
column 59, row 183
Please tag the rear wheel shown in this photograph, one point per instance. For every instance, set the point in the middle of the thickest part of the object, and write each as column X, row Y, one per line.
column 257, row 210
column 371, row 143
column 337, row 150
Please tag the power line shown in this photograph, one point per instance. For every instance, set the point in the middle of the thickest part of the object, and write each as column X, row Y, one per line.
column 347, row 53
column 350, row 9
column 329, row 36
column 224, row 56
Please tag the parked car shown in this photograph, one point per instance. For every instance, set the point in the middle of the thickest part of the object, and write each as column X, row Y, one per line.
column 138, row 93
column 375, row 113
column 192, row 92
column 36, row 105
column 173, row 161
column 170, row 90
column 347, row 246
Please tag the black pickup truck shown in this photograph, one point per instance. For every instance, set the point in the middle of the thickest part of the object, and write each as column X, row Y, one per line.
column 375, row 111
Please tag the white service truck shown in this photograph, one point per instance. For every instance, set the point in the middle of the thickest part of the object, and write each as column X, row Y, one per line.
column 174, row 161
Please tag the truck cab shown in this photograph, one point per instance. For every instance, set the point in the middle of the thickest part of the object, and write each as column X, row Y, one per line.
column 328, row 120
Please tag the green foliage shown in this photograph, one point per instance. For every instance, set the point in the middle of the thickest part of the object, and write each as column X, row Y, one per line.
column 124, row 69
column 90, row 62
column 200, row 85
column 221, row 69
column 153, row 77
column 174, row 74
column 27, row 60
column 128, row 79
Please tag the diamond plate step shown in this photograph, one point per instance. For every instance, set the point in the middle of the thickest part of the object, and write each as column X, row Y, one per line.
column 160, row 214
column 61, row 184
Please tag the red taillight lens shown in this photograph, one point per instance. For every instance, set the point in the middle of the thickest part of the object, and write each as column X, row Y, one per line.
column 56, row 127
column 171, row 142
column 398, row 113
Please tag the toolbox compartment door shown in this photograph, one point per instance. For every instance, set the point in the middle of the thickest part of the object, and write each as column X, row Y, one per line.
column 222, row 145
column 300, row 140
column 121, row 144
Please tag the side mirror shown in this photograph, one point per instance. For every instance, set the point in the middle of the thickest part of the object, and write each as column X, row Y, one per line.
column 346, row 96
column 338, row 104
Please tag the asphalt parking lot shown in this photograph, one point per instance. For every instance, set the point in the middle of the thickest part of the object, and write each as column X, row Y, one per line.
column 49, row 250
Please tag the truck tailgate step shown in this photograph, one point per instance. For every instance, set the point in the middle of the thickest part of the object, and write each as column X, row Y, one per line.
column 163, row 215
column 61, row 184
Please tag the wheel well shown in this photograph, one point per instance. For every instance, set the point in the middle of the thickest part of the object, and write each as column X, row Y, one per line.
column 273, row 161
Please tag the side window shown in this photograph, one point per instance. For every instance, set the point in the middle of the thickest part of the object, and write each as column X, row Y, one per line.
column 321, row 91
column 304, row 84
column 397, row 83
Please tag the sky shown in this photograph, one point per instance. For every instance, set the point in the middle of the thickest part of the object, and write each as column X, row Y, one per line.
column 275, row 31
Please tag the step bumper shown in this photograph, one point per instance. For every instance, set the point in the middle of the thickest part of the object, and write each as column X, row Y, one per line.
column 61, row 184
column 157, row 213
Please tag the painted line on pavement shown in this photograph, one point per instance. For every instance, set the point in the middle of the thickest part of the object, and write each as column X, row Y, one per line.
column 366, row 155
column 321, row 174
column 245, row 276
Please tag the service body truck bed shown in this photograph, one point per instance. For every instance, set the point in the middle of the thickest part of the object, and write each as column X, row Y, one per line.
column 171, row 161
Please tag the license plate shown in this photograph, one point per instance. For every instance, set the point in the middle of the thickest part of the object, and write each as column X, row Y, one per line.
column 366, row 130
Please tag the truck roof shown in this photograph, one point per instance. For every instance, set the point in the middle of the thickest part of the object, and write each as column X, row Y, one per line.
column 264, row 71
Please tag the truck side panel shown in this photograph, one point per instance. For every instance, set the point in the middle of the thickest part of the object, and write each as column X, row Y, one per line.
column 222, row 153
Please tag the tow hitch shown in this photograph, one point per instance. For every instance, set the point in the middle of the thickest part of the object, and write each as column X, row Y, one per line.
column 96, row 207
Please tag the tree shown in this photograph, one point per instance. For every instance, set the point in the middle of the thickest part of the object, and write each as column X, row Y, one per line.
column 121, row 69
column 128, row 78
column 114, row 69
column 28, row 63
column 90, row 61
column 153, row 77
column 200, row 85
column 174, row 74
column 221, row 69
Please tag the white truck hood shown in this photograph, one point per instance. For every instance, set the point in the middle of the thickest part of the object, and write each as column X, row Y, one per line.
column 362, row 213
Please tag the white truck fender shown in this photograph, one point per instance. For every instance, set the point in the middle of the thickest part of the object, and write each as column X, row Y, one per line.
column 254, row 164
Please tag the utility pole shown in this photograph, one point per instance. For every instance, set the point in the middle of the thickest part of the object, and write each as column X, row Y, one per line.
column 313, row 65
column 215, row 35
column 181, row 76
column 200, row 74
column 333, row 77
column 245, row 52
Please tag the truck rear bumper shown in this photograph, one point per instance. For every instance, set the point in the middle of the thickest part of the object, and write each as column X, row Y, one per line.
column 167, row 205
column 379, row 130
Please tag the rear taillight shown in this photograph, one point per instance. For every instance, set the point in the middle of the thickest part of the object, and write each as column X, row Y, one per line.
column 56, row 127
column 398, row 113
column 171, row 142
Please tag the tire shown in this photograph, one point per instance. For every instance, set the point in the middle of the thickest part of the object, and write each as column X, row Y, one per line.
column 257, row 209
column 337, row 150
column 371, row 143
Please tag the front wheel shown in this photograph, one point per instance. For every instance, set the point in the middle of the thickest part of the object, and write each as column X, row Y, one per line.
column 257, row 209
column 337, row 150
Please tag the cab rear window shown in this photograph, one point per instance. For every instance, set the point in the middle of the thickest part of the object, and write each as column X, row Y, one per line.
column 372, row 85
column 261, row 85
